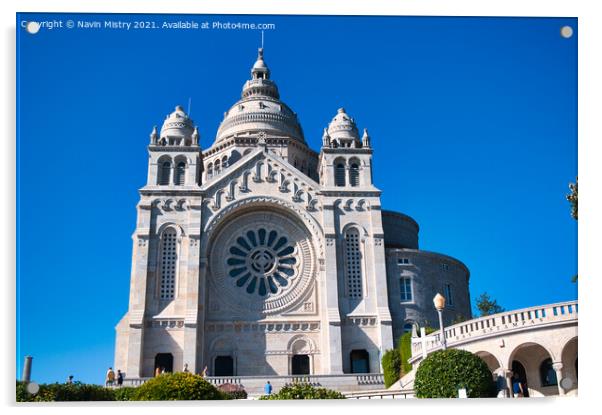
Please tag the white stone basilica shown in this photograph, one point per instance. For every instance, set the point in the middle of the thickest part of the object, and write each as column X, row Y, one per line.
column 259, row 256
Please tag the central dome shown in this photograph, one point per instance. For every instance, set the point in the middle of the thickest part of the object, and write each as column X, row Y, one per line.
column 259, row 109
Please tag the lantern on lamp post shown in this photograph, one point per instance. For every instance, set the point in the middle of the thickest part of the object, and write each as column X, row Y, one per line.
column 439, row 302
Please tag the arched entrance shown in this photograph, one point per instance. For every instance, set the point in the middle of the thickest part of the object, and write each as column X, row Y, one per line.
column 360, row 361
column 300, row 364
column 519, row 370
column 163, row 362
column 530, row 365
column 223, row 366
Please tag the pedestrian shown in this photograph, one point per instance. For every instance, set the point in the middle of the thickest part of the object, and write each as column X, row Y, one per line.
column 186, row 367
column 517, row 387
column 268, row 388
column 110, row 377
column 204, row 372
column 119, row 378
column 70, row 380
column 157, row 371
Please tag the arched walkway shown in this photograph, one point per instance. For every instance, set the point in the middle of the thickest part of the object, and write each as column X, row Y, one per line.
column 570, row 371
column 539, row 378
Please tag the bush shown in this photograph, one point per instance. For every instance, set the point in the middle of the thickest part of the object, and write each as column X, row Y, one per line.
column 60, row 392
column 303, row 391
column 232, row 391
column 181, row 386
column 125, row 393
column 391, row 362
column 22, row 394
column 442, row 373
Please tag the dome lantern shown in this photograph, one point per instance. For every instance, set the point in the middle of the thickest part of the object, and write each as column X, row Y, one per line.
column 177, row 127
column 343, row 130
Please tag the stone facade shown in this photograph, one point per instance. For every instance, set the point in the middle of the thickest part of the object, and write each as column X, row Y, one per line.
column 260, row 256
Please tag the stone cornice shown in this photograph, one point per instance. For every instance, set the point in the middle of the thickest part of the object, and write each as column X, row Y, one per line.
column 349, row 193
column 182, row 191
column 346, row 150
column 178, row 149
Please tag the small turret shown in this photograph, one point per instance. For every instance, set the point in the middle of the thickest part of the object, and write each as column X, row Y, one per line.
column 366, row 139
column 325, row 139
column 195, row 136
column 154, row 136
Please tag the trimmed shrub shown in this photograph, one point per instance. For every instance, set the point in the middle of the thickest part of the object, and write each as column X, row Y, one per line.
column 442, row 373
column 391, row 367
column 60, row 392
column 181, row 386
column 125, row 393
column 303, row 391
column 233, row 391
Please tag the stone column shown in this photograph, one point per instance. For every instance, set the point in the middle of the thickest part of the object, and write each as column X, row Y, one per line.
column 378, row 272
column 191, row 317
column 505, row 381
column 331, row 317
column 557, row 366
column 27, row 369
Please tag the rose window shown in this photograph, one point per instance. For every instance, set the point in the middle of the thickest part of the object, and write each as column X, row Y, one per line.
column 261, row 261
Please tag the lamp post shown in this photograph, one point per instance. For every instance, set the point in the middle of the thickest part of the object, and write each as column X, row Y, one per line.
column 439, row 302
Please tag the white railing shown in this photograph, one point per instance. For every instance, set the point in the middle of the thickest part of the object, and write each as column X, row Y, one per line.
column 314, row 380
column 381, row 394
column 493, row 325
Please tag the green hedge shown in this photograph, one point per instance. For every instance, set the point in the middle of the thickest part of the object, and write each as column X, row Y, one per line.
column 167, row 387
column 179, row 386
column 391, row 362
column 59, row 392
column 442, row 373
column 303, row 391
column 125, row 393
column 405, row 352
column 405, row 349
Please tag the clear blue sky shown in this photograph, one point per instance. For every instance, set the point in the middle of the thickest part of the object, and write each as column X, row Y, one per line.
column 473, row 123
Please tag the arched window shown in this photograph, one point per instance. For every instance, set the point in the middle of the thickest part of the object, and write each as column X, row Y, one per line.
column 180, row 176
column 353, row 264
column 339, row 173
column 225, row 162
column 547, row 373
column 209, row 170
column 218, row 167
column 354, row 174
column 164, row 173
column 169, row 259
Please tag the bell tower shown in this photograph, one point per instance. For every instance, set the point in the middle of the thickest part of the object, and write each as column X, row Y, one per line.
column 165, row 259
column 355, row 264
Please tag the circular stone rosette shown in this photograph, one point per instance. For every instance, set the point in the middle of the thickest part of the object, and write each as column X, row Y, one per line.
column 261, row 262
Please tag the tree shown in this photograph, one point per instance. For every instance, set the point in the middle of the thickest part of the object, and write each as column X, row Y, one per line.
column 488, row 306
column 573, row 198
